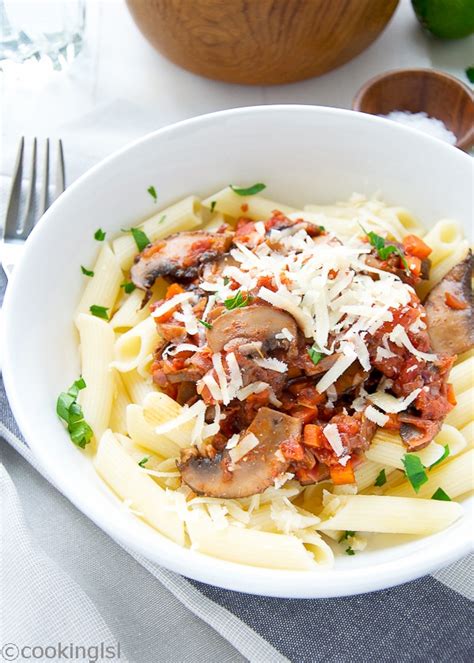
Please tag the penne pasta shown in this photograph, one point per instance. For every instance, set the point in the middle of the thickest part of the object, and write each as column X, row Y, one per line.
column 118, row 421
column 159, row 409
column 254, row 207
column 468, row 433
column 142, row 432
column 137, row 387
column 253, row 547
column 183, row 215
column 104, row 287
column 96, row 399
column 455, row 477
column 396, row 515
column 146, row 497
column 133, row 349
column 462, row 376
column 387, row 449
column 461, row 415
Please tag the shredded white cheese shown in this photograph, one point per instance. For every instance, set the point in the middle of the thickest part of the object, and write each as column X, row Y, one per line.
column 272, row 364
column 246, row 444
column 340, row 366
column 391, row 404
column 170, row 304
column 284, row 334
column 376, row 416
column 252, row 388
column 331, row 432
column 400, row 337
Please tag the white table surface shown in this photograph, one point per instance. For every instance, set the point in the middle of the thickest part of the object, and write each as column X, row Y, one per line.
column 118, row 89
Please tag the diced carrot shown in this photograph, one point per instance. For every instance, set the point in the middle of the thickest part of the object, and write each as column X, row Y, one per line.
column 453, row 302
column 414, row 265
column 392, row 423
column 292, row 450
column 416, row 247
column 341, row 475
column 313, row 436
column 451, row 395
column 173, row 289
column 244, row 207
column 305, row 414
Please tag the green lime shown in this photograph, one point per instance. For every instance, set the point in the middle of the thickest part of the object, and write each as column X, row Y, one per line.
column 448, row 19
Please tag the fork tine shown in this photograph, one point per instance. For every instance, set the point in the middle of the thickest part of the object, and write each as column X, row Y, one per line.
column 60, row 172
column 27, row 222
column 11, row 219
column 45, row 185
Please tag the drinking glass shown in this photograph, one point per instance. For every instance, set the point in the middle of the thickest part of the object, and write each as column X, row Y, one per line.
column 49, row 32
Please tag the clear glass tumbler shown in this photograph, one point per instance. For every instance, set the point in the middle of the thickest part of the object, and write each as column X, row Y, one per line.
column 49, row 32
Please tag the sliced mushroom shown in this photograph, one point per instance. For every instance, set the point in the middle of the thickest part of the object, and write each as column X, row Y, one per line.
column 252, row 323
column 417, row 433
column 255, row 472
column 451, row 330
column 179, row 257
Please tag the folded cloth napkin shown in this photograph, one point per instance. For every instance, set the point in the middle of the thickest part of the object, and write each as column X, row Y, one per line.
column 65, row 581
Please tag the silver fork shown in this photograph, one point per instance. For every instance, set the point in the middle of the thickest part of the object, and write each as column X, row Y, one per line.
column 21, row 218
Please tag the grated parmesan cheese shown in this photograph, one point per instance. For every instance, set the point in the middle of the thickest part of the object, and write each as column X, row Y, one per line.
column 252, row 388
column 400, row 337
column 391, row 404
column 341, row 365
column 172, row 303
column 331, row 433
column 272, row 364
column 376, row 416
column 246, row 444
column 284, row 334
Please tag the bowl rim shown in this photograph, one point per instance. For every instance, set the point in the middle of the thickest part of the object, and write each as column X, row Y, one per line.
column 228, row 575
column 463, row 142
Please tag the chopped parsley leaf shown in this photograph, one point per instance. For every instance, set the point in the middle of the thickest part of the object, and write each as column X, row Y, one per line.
column 349, row 551
column 381, row 479
column 249, row 191
column 162, row 218
column 99, row 311
column 315, row 355
column 348, row 533
column 470, row 74
column 128, row 287
column 205, row 324
column 213, row 205
column 141, row 239
column 144, row 461
column 414, row 470
column 69, row 410
column 99, row 235
column 86, row 272
column 383, row 249
column 440, row 495
column 152, row 191
column 226, row 280
column 238, row 301
column 446, row 453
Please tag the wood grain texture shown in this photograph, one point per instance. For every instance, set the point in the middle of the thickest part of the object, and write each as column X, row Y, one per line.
column 434, row 92
column 261, row 42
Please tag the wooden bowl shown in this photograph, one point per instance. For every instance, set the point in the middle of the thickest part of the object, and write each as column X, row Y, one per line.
column 434, row 92
column 261, row 42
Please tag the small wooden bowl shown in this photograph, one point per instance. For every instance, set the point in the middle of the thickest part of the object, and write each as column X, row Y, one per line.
column 261, row 42
column 416, row 90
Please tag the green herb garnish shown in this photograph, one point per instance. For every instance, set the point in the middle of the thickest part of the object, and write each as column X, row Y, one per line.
column 383, row 249
column 141, row 240
column 249, row 191
column 213, row 205
column 349, row 551
column 152, row 191
column 99, row 311
column 69, row 410
column 446, row 453
column 440, row 495
column 99, row 235
column 238, row 301
column 470, row 74
column 414, row 470
column 128, row 287
column 205, row 324
column 86, row 272
column 315, row 355
column 348, row 533
column 226, row 280
column 144, row 460
column 381, row 479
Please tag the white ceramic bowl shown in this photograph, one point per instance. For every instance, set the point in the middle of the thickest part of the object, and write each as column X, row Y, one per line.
column 304, row 154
